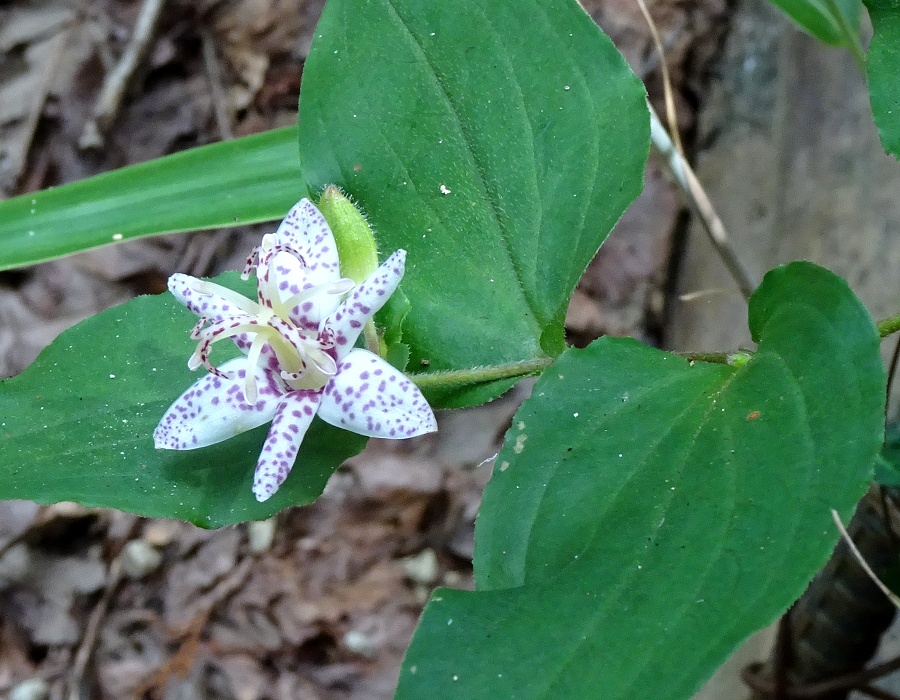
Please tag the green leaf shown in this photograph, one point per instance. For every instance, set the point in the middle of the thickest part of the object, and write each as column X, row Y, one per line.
column 832, row 21
column 647, row 514
column 497, row 142
column 244, row 181
column 883, row 68
column 77, row 425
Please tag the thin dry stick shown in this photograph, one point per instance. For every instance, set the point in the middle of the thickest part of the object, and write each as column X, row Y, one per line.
column 668, row 94
column 700, row 293
column 700, row 204
column 117, row 79
column 40, row 92
column 862, row 562
column 670, row 147
column 216, row 89
column 98, row 614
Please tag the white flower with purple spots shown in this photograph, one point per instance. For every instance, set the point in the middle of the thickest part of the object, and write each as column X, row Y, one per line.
column 300, row 360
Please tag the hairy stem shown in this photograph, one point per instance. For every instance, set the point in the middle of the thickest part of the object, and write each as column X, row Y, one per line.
column 719, row 358
column 476, row 375
column 480, row 375
column 889, row 325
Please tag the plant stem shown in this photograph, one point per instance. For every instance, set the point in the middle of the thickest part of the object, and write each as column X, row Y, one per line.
column 462, row 377
column 719, row 358
column 889, row 325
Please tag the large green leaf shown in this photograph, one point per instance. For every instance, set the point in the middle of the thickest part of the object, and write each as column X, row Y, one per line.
column 244, row 181
column 832, row 21
column 646, row 514
column 884, row 71
column 497, row 141
column 77, row 425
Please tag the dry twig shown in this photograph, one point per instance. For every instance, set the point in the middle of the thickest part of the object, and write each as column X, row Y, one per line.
column 40, row 92
column 670, row 147
column 668, row 93
column 700, row 204
column 117, row 80
column 216, row 86
column 891, row 596
column 98, row 614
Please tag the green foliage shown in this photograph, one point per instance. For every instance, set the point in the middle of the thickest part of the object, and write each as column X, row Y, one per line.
column 77, row 425
column 498, row 143
column 832, row 21
column 883, row 68
column 646, row 514
column 537, row 174
column 244, row 181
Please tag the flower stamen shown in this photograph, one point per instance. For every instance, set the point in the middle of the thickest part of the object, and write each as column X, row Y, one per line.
column 341, row 286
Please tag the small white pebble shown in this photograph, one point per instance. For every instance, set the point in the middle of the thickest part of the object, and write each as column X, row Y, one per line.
column 32, row 689
column 117, row 237
column 453, row 579
column 140, row 559
column 260, row 534
column 422, row 567
column 159, row 533
column 360, row 643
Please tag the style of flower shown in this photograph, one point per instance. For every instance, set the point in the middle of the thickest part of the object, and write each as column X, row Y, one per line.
column 300, row 360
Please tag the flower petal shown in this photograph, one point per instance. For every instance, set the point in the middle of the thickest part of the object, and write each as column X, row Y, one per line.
column 292, row 420
column 305, row 230
column 213, row 302
column 292, row 279
column 370, row 397
column 213, row 409
column 347, row 322
column 208, row 299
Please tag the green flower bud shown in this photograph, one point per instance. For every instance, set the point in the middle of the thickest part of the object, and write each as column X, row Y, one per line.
column 352, row 234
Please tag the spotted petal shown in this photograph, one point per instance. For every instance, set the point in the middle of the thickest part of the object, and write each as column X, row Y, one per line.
column 305, row 230
column 213, row 409
column 293, row 279
column 208, row 299
column 348, row 320
column 370, row 397
column 292, row 419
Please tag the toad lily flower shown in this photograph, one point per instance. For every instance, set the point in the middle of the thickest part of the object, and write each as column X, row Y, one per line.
column 300, row 361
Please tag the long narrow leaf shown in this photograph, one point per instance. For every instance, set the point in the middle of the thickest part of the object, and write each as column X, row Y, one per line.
column 247, row 180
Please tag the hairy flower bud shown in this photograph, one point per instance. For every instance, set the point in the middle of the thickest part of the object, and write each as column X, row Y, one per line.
column 352, row 234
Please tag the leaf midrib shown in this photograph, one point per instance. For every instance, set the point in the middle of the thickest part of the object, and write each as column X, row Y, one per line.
column 530, row 303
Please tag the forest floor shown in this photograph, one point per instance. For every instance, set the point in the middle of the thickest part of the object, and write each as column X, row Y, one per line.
column 321, row 601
